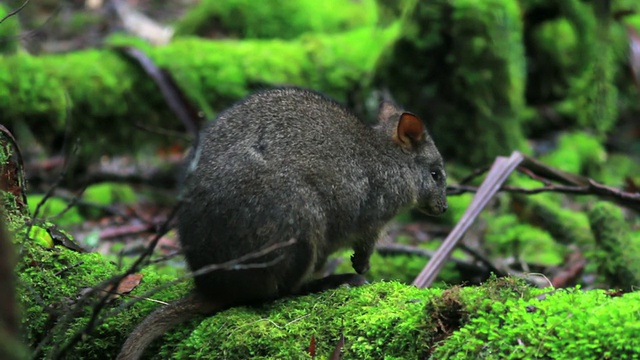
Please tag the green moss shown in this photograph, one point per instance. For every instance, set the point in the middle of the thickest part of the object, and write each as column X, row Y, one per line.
column 47, row 92
column 110, row 193
column 379, row 321
column 564, row 324
column 397, row 267
column 593, row 89
column 578, row 153
column 53, row 280
column 462, row 65
column 617, row 168
column 275, row 19
column 53, row 209
column 506, row 235
column 558, row 38
column 554, row 58
column 618, row 254
column 566, row 225
column 457, row 206
column 385, row 319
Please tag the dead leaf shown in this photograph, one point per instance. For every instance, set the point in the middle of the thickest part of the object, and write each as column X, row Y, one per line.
column 312, row 347
column 128, row 283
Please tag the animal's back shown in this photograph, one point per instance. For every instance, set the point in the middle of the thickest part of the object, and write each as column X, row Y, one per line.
column 269, row 169
column 281, row 124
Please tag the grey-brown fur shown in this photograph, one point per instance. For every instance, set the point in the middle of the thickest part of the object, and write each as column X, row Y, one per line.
column 292, row 164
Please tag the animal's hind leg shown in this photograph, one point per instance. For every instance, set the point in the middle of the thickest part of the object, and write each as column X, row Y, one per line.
column 332, row 282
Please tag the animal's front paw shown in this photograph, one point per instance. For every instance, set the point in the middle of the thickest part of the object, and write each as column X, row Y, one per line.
column 360, row 263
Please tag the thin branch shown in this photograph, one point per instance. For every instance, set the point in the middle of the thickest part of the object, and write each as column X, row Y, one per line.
column 14, row 12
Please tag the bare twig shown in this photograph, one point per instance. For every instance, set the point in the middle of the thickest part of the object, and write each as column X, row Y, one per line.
column 14, row 12
column 578, row 186
column 60, row 272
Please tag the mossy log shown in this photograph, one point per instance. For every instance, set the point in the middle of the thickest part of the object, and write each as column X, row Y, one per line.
column 102, row 96
column 275, row 18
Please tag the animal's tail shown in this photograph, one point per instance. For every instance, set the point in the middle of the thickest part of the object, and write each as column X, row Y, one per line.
column 162, row 320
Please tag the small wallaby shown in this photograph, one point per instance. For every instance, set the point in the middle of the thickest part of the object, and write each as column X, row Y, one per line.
column 288, row 164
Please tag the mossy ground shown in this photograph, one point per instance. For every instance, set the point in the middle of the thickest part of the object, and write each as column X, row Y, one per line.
column 381, row 320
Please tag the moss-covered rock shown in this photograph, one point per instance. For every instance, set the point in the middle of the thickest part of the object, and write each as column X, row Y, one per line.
column 563, row 324
column 507, row 236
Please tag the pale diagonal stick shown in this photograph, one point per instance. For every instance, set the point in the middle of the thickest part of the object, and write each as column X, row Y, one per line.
column 500, row 170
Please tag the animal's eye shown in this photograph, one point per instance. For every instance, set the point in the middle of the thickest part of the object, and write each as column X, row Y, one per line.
column 435, row 175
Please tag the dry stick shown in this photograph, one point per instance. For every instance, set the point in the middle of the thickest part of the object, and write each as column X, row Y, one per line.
column 501, row 169
column 168, row 88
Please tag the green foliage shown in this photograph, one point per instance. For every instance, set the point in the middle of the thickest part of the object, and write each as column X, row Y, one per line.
column 109, row 193
column 578, row 153
column 566, row 225
column 507, row 236
column 40, row 236
column 618, row 253
column 54, row 209
column 9, row 32
column 275, row 19
column 564, row 324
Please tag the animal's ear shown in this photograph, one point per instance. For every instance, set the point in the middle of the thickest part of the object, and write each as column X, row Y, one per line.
column 409, row 131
